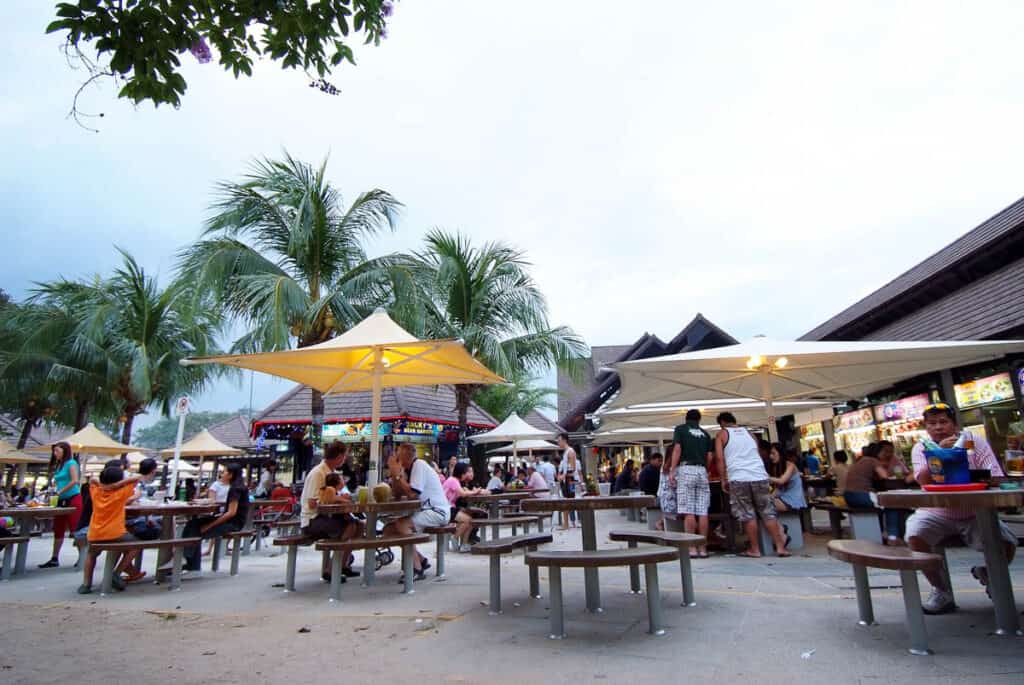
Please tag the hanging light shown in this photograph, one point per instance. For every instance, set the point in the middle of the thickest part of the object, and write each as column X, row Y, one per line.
column 781, row 363
column 755, row 362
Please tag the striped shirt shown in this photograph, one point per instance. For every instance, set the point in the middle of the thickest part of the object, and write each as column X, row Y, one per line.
column 981, row 458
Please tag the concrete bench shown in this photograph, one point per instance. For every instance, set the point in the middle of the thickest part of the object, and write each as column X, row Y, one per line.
column 292, row 542
column 496, row 548
column 681, row 541
column 239, row 537
column 338, row 549
column 556, row 561
column 115, row 549
column 8, row 545
column 443, row 534
column 495, row 524
column 863, row 555
column 864, row 521
column 791, row 525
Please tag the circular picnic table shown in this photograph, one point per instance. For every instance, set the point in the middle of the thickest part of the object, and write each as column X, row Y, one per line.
column 983, row 504
column 371, row 510
column 585, row 507
column 493, row 502
column 24, row 516
column 167, row 511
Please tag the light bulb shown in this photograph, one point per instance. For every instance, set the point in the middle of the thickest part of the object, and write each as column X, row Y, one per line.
column 755, row 361
column 781, row 362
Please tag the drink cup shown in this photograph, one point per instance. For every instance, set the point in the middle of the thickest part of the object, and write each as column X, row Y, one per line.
column 1015, row 463
column 54, row 500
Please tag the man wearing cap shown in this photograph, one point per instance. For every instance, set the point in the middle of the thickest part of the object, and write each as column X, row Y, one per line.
column 927, row 528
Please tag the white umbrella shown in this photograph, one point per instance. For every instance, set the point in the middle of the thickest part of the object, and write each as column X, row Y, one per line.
column 775, row 370
column 377, row 353
column 632, row 436
column 671, row 414
column 513, row 429
column 525, row 445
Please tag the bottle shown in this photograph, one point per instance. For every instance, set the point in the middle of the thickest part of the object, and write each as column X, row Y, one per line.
column 965, row 441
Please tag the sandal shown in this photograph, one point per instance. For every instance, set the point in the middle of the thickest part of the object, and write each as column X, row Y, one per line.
column 748, row 555
column 134, row 576
column 783, row 554
column 52, row 563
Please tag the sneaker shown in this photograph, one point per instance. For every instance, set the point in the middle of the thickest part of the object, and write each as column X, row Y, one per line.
column 85, row 589
column 465, row 549
column 426, row 564
column 350, row 573
column 52, row 563
column 980, row 574
column 327, row 577
column 117, row 584
column 939, row 602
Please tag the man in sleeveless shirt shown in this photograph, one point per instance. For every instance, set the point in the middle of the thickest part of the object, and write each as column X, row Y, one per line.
column 746, row 480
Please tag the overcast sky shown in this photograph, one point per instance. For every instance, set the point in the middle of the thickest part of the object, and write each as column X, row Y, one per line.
column 766, row 164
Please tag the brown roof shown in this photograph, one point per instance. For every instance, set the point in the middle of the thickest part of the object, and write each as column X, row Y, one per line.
column 234, row 432
column 983, row 309
column 433, row 403
column 541, row 422
column 43, row 434
column 991, row 236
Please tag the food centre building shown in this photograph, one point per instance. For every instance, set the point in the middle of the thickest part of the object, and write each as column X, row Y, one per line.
column 972, row 289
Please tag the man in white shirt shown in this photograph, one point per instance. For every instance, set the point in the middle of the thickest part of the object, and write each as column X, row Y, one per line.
column 412, row 477
column 547, row 470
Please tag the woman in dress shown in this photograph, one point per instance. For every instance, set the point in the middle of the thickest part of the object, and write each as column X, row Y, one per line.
column 66, row 479
column 784, row 475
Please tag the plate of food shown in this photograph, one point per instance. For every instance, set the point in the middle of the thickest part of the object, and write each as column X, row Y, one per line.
column 955, row 487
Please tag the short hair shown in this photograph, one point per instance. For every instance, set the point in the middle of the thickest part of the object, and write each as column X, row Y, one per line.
column 564, row 435
column 332, row 479
column 939, row 409
column 405, row 447
column 869, row 450
column 334, row 450
column 693, row 415
column 657, row 455
column 147, row 466
column 725, row 417
column 840, row 456
column 271, row 463
column 884, row 443
column 459, row 470
column 111, row 474
column 545, row 457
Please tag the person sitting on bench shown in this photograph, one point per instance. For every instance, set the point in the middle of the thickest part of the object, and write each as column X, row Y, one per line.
column 860, row 483
column 785, row 476
column 412, row 477
column 319, row 526
column 456, row 491
column 109, row 495
column 233, row 519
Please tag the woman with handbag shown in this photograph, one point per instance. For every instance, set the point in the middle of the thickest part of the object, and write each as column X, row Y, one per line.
column 66, row 478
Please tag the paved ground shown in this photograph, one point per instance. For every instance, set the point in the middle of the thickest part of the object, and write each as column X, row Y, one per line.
column 775, row 620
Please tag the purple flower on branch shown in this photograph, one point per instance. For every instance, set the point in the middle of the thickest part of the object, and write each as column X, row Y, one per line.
column 387, row 8
column 201, row 51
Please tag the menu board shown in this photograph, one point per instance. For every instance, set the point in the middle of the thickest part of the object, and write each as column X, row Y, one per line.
column 901, row 410
column 860, row 418
column 984, row 391
column 812, row 430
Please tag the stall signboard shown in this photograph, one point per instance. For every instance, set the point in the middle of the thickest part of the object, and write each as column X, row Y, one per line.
column 354, row 430
column 851, row 420
column 901, row 410
column 812, row 430
column 984, row 391
column 423, row 429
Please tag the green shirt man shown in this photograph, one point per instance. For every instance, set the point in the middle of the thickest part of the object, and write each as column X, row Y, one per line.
column 691, row 445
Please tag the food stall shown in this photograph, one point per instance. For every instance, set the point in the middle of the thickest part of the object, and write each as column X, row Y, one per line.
column 900, row 422
column 854, row 429
column 812, row 439
column 989, row 408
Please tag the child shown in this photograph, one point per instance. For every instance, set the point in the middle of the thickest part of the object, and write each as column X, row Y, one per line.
column 109, row 496
column 332, row 489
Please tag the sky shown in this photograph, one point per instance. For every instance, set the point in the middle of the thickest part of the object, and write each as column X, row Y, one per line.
column 766, row 164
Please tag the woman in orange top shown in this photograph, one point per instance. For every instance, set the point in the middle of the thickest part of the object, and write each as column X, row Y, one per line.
column 110, row 495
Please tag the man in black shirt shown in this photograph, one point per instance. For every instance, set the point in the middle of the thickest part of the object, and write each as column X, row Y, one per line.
column 649, row 476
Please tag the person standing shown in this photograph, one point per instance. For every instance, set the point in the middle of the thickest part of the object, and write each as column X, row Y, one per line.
column 649, row 475
column 688, row 474
column 927, row 528
column 66, row 479
column 546, row 469
column 569, row 475
column 745, row 479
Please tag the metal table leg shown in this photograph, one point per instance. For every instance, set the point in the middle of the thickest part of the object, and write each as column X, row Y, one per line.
column 370, row 554
column 164, row 555
column 1007, row 621
column 590, row 577
column 495, row 512
column 24, row 528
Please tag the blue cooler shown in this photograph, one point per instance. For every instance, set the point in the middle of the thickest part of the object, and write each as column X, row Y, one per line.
column 948, row 466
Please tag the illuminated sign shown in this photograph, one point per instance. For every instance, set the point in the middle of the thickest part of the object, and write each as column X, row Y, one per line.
column 901, row 410
column 851, row 420
column 984, row 390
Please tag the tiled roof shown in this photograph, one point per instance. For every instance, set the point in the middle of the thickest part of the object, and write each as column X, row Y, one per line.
column 234, row 432
column 989, row 235
column 541, row 422
column 436, row 403
column 983, row 309
column 41, row 435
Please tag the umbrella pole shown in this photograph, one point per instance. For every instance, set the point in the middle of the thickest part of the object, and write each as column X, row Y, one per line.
column 177, row 455
column 769, row 406
column 372, row 476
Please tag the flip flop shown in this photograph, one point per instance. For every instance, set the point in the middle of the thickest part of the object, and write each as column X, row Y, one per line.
column 705, row 555
column 748, row 555
column 783, row 554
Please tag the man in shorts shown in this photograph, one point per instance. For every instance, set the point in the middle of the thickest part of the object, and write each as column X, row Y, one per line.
column 746, row 480
column 412, row 477
column 927, row 528
column 319, row 526
column 691, row 450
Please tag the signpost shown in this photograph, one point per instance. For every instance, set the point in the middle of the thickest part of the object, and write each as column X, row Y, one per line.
column 182, row 408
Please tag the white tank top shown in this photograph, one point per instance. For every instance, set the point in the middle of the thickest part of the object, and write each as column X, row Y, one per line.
column 742, row 460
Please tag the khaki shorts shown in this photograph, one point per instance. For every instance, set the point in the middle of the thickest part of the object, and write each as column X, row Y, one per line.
column 934, row 528
column 750, row 499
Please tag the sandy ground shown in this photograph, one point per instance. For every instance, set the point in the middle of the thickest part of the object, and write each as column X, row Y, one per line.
column 770, row 621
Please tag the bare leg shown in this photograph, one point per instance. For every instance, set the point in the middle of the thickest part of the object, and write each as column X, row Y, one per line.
column 750, row 528
column 702, row 529
column 88, row 567
column 775, row 530
column 780, row 505
column 690, row 526
column 58, row 542
column 403, row 526
column 934, row 577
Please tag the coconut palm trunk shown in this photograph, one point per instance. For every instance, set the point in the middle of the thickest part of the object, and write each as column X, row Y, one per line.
column 26, row 431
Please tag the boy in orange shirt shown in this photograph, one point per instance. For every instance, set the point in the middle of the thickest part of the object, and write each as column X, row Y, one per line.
column 110, row 495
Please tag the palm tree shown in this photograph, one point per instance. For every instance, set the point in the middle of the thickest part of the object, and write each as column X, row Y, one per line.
column 521, row 396
column 282, row 254
column 24, row 366
column 138, row 333
column 486, row 297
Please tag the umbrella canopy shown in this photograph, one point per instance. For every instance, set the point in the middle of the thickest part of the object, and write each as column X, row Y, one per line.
column 510, row 430
column 774, row 370
column 671, row 414
column 633, row 436
column 10, row 455
column 203, row 444
column 525, row 446
column 90, row 440
column 376, row 353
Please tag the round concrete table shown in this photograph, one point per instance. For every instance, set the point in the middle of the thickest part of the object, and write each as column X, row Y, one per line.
column 585, row 507
column 167, row 513
column 24, row 516
column 371, row 510
column 983, row 504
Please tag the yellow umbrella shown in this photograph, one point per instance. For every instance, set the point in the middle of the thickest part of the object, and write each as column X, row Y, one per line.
column 90, row 440
column 10, row 455
column 375, row 354
column 203, row 444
